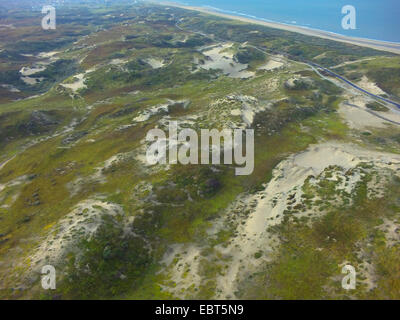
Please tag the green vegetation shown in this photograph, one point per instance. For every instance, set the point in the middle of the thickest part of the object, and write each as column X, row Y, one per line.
column 81, row 137
column 117, row 258
column 377, row 107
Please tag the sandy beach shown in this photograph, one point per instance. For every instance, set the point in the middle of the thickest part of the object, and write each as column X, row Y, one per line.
column 374, row 44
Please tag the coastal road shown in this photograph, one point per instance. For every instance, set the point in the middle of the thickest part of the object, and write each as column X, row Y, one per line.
column 315, row 66
column 373, row 113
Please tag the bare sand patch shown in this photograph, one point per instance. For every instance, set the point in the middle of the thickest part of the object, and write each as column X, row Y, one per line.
column 116, row 62
column 182, row 263
column 235, row 111
column 78, row 84
column 219, row 58
column 288, row 177
column 391, row 228
column 271, row 65
column 48, row 55
column 155, row 63
column 15, row 182
column 148, row 113
column 367, row 85
column 31, row 81
column 82, row 222
column 358, row 118
column 80, row 79
column 28, row 71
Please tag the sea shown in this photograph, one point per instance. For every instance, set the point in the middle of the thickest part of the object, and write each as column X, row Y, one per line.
column 375, row 19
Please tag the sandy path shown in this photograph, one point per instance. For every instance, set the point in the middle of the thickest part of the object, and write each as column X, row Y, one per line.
column 3, row 164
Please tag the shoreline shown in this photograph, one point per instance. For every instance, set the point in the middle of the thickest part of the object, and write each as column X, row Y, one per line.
column 392, row 47
column 304, row 27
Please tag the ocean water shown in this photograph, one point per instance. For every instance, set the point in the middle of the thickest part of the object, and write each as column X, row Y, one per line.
column 375, row 19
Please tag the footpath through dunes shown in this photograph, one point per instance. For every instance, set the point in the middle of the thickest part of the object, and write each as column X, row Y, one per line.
column 375, row 114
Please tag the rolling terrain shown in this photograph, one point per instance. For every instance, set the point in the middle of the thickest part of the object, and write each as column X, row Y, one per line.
column 76, row 191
